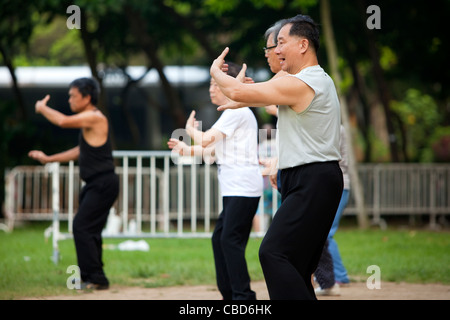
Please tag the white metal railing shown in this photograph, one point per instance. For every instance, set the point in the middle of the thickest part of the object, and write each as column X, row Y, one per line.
column 180, row 200
column 404, row 189
column 160, row 198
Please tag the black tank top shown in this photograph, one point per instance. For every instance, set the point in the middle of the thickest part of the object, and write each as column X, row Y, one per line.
column 94, row 161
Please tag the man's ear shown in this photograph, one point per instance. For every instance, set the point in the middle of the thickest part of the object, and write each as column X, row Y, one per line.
column 89, row 97
column 303, row 45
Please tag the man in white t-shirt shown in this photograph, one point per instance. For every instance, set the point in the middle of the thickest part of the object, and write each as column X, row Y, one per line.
column 233, row 141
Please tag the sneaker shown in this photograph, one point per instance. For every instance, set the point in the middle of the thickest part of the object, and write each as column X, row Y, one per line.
column 333, row 291
column 343, row 283
column 93, row 286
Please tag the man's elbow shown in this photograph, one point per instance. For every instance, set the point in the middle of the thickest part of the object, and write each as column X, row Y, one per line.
column 206, row 143
column 235, row 95
column 64, row 123
column 61, row 123
column 233, row 91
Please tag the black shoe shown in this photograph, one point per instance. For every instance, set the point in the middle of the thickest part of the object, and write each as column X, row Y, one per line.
column 94, row 286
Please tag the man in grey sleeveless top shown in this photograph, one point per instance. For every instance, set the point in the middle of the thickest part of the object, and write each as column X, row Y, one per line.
column 308, row 146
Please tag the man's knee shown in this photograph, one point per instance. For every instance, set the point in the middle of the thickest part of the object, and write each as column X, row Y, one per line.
column 77, row 226
column 228, row 243
column 215, row 239
column 264, row 253
column 80, row 226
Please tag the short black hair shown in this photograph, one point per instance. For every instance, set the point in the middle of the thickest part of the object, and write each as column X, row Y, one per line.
column 274, row 29
column 87, row 86
column 304, row 26
column 233, row 69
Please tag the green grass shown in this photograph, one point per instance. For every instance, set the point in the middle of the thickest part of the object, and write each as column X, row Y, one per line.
column 26, row 268
column 406, row 255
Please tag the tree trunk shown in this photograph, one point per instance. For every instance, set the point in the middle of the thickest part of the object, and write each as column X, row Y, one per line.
column 332, row 59
column 186, row 23
column 138, row 26
column 361, row 92
column 22, row 111
column 91, row 58
column 383, row 89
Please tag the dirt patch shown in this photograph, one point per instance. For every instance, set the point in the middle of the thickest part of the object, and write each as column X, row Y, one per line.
column 353, row 291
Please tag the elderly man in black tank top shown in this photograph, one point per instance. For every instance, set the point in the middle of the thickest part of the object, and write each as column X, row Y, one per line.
column 96, row 169
column 308, row 155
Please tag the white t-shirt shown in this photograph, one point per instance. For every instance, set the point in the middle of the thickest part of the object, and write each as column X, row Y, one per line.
column 237, row 154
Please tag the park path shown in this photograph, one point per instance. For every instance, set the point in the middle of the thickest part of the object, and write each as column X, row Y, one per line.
column 353, row 291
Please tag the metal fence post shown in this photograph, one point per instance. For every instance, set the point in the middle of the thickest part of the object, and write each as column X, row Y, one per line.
column 70, row 209
column 125, row 195
column 153, row 195
column 139, row 194
column 207, row 196
column 53, row 168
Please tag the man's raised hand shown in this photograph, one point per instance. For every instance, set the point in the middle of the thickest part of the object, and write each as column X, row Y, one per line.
column 218, row 62
column 41, row 103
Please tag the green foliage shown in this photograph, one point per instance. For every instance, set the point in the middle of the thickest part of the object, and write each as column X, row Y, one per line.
column 220, row 7
column 388, row 58
column 379, row 149
column 420, row 116
column 186, row 32
column 346, row 76
column 52, row 45
column 440, row 145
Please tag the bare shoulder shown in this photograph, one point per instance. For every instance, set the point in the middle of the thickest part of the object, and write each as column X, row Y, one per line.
column 94, row 119
column 96, row 116
column 288, row 83
column 298, row 94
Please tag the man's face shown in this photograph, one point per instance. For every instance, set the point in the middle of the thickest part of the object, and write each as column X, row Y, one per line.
column 272, row 58
column 287, row 49
column 216, row 95
column 76, row 100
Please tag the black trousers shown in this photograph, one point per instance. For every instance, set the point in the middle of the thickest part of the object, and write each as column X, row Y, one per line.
column 229, row 241
column 325, row 273
column 291, row 249
column 96, row 198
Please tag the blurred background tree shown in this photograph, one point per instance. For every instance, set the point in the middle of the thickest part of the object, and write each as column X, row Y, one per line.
column 394, row 79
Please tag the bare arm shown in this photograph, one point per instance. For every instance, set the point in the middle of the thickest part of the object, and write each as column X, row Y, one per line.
column 65, row 156
column 281, row 90
column 80, row 120
column 205, row 139
column 183, row 149
column 191, row 129
column 272, row 110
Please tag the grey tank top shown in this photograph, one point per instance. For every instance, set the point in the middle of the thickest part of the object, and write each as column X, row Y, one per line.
column 314, row 134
